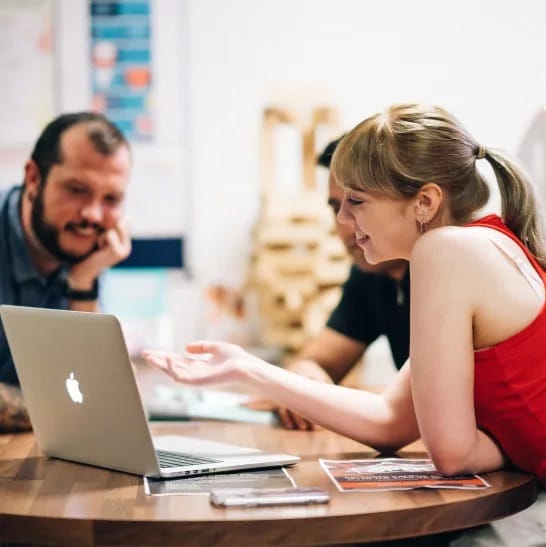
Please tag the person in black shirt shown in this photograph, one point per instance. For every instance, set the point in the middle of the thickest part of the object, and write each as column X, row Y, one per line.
column 374, row 302
column 371, row 305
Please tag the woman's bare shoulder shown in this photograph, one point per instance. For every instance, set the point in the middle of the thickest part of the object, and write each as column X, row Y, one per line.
column 448, row 245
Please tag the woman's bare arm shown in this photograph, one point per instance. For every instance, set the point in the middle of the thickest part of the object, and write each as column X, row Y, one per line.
column 383, row 421
column 444, row 295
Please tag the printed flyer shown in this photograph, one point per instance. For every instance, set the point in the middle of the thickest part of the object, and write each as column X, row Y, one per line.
column 263, row 478
column 393, row 474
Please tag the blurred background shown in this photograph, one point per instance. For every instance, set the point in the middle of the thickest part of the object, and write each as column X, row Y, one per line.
column 193, row 84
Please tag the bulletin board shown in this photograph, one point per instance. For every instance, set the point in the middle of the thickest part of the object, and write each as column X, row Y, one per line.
column 27, row 99
column 26, row 70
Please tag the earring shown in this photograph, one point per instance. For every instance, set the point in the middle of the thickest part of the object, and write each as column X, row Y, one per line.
column 423, row 226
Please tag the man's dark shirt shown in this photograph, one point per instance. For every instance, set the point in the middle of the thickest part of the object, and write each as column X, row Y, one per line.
column 372, row 305
column 20, row 282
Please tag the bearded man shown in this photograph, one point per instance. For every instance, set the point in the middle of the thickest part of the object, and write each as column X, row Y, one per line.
column 61, row 229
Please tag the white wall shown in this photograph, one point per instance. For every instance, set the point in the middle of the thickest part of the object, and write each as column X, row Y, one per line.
column 483, row 60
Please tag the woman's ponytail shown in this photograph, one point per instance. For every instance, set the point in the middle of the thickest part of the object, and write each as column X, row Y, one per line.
column 520, row 210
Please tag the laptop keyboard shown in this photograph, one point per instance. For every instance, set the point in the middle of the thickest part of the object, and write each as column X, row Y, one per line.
column 175, row 459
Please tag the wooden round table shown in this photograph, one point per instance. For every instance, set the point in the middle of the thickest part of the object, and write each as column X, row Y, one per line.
column 56, row 502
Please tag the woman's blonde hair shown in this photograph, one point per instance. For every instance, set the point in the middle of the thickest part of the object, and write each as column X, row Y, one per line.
column 409, row 145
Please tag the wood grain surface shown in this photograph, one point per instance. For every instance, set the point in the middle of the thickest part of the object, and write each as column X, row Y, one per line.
column 50, row 501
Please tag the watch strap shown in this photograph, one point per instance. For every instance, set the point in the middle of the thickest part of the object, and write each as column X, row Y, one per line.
column 78, row 294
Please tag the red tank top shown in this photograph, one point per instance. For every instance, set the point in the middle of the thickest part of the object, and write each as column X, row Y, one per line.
column 510, row 384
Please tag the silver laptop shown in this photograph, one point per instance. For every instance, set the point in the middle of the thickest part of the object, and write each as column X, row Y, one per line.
column 85, row 406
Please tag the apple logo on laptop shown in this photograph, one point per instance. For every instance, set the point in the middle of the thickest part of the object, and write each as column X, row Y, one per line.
column 73, row 388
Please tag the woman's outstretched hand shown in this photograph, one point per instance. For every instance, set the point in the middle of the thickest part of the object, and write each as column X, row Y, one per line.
column 204, row 363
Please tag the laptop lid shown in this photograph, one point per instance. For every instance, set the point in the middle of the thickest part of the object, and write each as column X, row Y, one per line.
column 84, row 403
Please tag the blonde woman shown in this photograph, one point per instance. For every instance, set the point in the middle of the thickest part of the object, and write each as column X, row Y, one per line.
column 474, row 388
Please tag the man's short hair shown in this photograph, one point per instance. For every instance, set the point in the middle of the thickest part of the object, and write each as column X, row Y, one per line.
column 102, row 133
column 325, row 157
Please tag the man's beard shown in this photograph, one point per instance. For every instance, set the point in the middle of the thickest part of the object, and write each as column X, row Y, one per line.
column 48, row 235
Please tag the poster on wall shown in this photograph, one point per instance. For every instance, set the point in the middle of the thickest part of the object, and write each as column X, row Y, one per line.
column 121, row 64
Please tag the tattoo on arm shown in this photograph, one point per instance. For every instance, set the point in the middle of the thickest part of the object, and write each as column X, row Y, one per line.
column 13, row 413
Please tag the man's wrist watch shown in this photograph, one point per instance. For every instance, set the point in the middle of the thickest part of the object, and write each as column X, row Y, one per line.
column 78, row 294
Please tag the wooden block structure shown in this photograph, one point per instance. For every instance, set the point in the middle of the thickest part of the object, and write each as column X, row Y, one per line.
column 298, row 261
